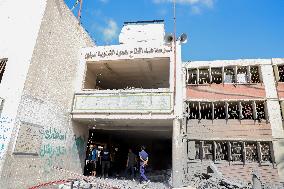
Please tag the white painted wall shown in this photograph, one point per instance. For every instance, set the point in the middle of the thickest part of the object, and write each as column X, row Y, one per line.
column 19, row 30
column 148, row 32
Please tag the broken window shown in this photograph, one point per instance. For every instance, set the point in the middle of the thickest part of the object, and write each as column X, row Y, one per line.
column 265, row 152
column 208, row 150
column 242, row 76
column 192, row 76
column 206, row 110
column 204, row 77
column 197, row 149
column 281, row 73
column 193, row 110
column 229, row 75
column 251, row 152
column 233, row 110
column 2, row 68
column 282, row 108
column 221, row 150
column 260, row 110
column 219, row 110
column 247, row 110
column 254, row 74
column 236, row 151
column 216, row 75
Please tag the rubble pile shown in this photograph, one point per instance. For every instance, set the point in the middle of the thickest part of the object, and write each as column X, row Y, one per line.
column 213, row 181
column 109, row 183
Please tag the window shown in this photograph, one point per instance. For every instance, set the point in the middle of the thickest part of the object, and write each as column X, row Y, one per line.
column 265, row 152
column 219, row 110
column 193, row 110
column 251, row 152
column 192, row 76
column 233, row 110
column 281, row 73
column 206, row 110
column 254, row 74
column 208, row 150
column 2, row 68
column 229, row 75
column 204, row 77
column 236, row 151
column 247, row 110
column 221, row 150
column 242, row 76
column 260, row 110
column 216, row 75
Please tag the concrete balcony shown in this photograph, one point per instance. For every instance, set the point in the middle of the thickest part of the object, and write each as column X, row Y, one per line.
column 136, row 101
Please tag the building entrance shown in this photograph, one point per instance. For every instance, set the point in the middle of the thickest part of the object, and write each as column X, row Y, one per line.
column 158, row 145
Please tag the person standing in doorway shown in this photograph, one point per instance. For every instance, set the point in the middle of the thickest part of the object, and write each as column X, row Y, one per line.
column 94, row 159
column 130, row 164
column 143, row 156
column 105, row 161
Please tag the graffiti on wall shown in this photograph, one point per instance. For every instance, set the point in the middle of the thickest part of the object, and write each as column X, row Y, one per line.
column 4, row 133
column 78, row 147
column 54, row 134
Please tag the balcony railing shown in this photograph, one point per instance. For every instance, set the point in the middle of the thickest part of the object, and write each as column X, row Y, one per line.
column 123, row 101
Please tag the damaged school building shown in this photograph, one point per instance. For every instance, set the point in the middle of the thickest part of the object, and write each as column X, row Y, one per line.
column 58, row 89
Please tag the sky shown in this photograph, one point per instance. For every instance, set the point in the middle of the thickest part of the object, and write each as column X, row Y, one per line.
column 217, row 29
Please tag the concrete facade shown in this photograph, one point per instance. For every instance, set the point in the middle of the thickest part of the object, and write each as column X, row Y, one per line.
column 58, row 85
column 42, row 134
column 213, row 130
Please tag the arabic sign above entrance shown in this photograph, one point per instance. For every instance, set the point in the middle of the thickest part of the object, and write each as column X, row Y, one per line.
column 126, row 52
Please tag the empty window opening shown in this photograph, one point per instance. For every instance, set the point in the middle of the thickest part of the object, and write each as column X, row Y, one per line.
column 204, row 77
column 260, row 110
column 208, row 150
column 242, row 75
column 221, row 150
column 254, row 74
column 246, row 152
column 197, row 149
column 282, row 108
column 2, row 68
column 281, row 73
column 247, row 110
column 229, row 75
column 251, row 152
column 216, row 75
column 192, row 76
column 128, row 74
column 233, row 110
column 265, row 152
column 206, row 110
column 193, row 110
column 236, row 151
column 219, row 110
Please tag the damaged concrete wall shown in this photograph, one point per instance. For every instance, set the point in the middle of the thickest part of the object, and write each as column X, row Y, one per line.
column 19, row 29
column 248, row 125
column 45, row 136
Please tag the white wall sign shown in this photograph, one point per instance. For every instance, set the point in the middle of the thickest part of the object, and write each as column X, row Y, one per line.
column 122, row 51
column 129, row 103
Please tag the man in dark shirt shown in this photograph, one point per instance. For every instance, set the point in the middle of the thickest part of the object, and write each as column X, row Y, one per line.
column 143, row 155
column 105, row 161
column 131, row 161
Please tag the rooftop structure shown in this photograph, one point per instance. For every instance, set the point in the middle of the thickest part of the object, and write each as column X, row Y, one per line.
column 60, row 93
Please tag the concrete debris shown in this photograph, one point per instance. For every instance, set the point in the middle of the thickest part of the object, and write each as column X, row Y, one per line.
column 110, row 183
column 213, row 181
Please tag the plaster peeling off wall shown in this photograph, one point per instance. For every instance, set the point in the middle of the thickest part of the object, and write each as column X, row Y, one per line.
column 44, row 112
